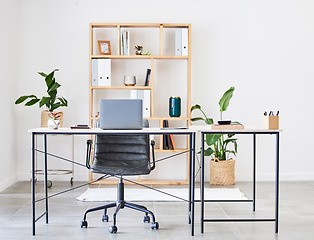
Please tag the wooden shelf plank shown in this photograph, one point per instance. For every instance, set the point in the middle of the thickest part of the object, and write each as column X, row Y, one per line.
column 138, row 57
column 123, row 87
column 169, row 118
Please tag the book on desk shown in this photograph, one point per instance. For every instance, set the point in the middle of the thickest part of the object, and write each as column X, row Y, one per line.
column 231, row 126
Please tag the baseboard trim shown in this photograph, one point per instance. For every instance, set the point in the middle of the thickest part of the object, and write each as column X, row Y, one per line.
column 8, row 182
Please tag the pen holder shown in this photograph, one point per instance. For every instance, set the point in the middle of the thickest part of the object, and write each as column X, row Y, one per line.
column 271, row 122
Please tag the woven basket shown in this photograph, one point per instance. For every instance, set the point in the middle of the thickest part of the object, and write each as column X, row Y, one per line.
column 45, row 118
column 222, row 172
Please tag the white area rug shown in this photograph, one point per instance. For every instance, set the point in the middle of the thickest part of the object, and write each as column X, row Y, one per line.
column 148, row 195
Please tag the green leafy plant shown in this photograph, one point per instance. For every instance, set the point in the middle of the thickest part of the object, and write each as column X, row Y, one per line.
column 52, row 102
column 218, row 143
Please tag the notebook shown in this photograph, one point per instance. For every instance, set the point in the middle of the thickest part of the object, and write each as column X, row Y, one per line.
column 121, row 114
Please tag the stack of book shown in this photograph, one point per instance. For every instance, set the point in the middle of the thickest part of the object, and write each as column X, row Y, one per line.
column 168, row 143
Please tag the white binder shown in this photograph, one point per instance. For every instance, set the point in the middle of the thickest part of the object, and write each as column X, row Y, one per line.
column 95, row 72
column 185, row 41
column 178, row 42
column 104, row 72
column 145, row 96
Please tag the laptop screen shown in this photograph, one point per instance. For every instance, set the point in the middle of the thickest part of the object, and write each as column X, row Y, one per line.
column 121, row 114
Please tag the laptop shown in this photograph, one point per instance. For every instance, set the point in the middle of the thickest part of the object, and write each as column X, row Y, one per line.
column 121, row 114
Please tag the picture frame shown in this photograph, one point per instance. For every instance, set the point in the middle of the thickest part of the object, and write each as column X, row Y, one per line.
column 104, row 47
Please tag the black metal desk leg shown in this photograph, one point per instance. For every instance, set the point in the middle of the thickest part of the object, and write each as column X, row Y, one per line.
column 254, row 170
column 277, row 183
column 202, row 183
column 190, row 177
column 192, row 148
column 45, row 179
column 33, row 182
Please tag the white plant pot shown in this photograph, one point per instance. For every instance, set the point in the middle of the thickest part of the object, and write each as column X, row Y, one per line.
column 53, row 124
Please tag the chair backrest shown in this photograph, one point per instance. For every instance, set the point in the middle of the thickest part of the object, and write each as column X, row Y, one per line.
column 122, row 154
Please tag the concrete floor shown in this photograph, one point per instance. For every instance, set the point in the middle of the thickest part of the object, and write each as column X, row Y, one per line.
column 296, row 220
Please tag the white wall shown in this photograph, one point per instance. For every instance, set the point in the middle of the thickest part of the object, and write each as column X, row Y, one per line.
column 263, row 48
column 8, row 69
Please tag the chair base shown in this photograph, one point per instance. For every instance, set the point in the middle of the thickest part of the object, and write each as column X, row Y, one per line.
column 120, row 204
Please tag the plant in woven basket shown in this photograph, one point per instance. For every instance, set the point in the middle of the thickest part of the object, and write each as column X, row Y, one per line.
column 50, row 102
column 218, row 143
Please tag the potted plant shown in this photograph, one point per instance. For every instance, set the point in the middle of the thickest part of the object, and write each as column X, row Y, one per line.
column 54, row 120
column 221, row 166
column 50, row 102
column 138, row 49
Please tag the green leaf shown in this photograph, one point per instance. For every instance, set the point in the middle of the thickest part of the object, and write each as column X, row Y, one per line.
column 225, row 99
column 209, row 151
column 209, row 121
column 196, row 106
column 63, row 101
column 42, row 74
column 212, row 138
column 50, row 80
column 54, row 87
column 197, row 119
column 23, row 98
column 44, row 101
column 32, row 102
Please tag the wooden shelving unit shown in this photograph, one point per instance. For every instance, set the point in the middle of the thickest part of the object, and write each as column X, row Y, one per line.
column 116, row 29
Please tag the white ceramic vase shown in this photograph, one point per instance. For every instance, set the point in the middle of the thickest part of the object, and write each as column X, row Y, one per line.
column 53, row 124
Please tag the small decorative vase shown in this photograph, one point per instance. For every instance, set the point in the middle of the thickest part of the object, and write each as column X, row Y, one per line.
column 138, row 52
column 129, row 80
column 53, row 124
column 174, row 106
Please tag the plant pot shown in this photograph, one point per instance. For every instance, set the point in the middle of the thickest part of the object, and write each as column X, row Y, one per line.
column 138, row 52
column 222, row 172
column 45, row 118
column 53, row 124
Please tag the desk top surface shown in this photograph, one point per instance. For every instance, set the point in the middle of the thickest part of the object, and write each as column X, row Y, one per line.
column 101, row 131
column 148, row 131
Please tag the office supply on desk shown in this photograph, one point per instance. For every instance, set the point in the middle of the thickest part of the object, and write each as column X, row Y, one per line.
column 80, row 126
column 121, row 114
column 121, row 155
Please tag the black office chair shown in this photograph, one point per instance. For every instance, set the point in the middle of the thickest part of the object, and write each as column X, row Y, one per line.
column 121, row 155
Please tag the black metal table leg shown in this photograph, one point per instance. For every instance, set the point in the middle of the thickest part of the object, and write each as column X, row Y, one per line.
column 45, row 176
column 192, row 148
column 277, row 183
column 190, row 178
column 33, row 182
column 202, row 183
column 254, row 170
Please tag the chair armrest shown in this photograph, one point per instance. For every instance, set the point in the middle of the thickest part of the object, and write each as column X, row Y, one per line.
column 153, row 154
column 88, row 152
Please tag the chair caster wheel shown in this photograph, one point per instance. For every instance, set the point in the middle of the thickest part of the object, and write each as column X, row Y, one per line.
column 146, row 219
column 105, row 218
column 49, row 184
column 84, row 224
column 155, row 225
column 113, row 229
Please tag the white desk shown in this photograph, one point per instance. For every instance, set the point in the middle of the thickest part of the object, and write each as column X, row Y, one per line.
column 97, row 131
column 252, row 132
